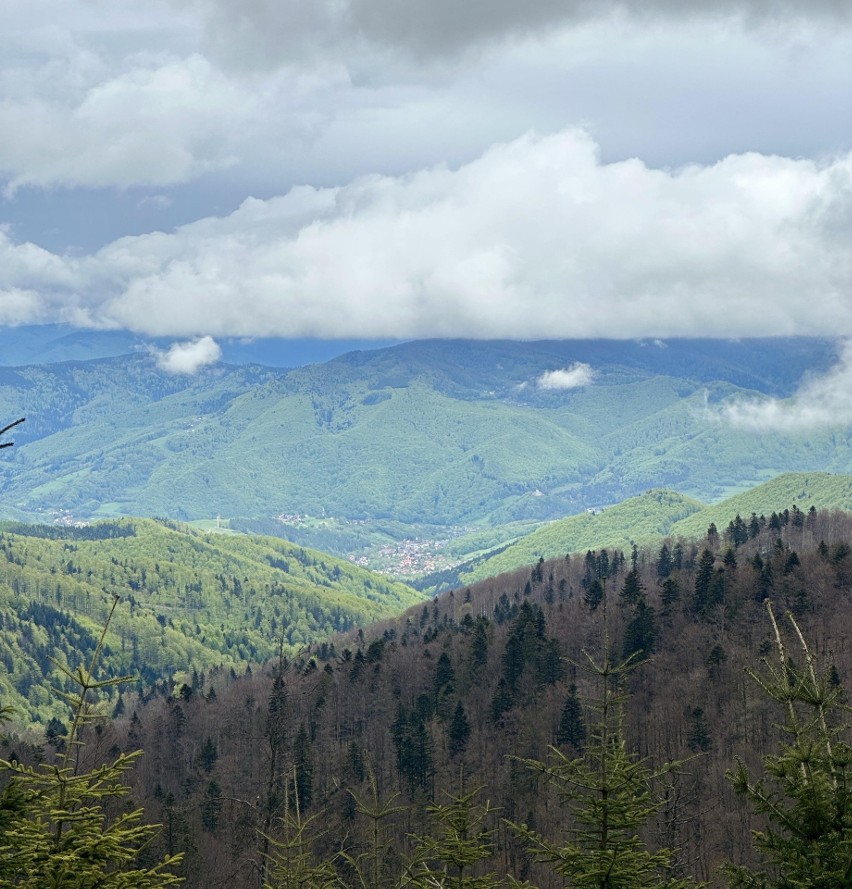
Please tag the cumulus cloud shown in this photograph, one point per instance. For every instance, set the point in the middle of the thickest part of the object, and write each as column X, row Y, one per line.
column 188, row 357
column 537, row 238
column 20, row 307
column 573, row 377
column 819, row 402
column 98, row 95
column 78, row 118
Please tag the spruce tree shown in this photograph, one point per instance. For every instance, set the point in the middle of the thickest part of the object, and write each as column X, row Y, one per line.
column 669, row 594
column 609, row 793
column 459, row 731
column 632, row 589
column 594, row 595
column 460, row 843
column 640, row 635
column 292, row 862
column 56, row 831
column 805, row 793
column 572, row 727
column 369, row 868
column 703, row 583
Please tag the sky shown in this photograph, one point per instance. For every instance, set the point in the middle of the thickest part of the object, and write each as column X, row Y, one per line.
column 345, row 169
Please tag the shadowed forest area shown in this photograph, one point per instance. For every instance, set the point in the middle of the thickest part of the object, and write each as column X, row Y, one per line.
column 359, row 757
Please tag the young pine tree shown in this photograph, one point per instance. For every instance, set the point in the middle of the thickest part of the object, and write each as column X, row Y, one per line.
column 805, row 793
column 56, row 832
column 609, row 795
column 292, row 862
column 453, row 855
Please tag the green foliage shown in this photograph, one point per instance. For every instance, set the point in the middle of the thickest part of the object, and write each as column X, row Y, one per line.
column 609, row 796
column 646, row 518
column 461, row 841
column 806, row 489
column 640, row 635
column 356, row 437
column 641, row 519
column 698, row 739
column 370, row 868
column 459, row 731
column 292, row 860
column 572, row 725
column 413, row 745
column 56, row 828
column 194, row 599
column 805, row 793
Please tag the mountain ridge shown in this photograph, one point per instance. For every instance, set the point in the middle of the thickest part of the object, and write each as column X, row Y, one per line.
column 440, row 432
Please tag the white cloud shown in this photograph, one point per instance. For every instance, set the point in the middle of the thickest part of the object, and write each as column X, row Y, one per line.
column 538, row 238
column 251, row 96
column 573, row 377
column 83, row 118
column 19, row 306
column 819, row 402
column 155, row 202
column 188, row 357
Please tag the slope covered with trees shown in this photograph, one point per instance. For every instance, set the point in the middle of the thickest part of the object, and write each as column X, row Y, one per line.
column 191, row 602
column 655, row 514
column 440, row 433
column 381, row 737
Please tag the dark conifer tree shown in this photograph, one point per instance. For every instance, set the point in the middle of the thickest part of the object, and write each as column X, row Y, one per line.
column 303, row 768
column 603, row 566
column 753, row 527
column 632, row 589
column 640, row 634
column 502, row 700
column 458, row 733
column 664, row 562
column 669, row 594
column 703, row 581
column 698, row 739
column 713, row 537
column 594, row 594
column 572, row 727
column 479, row 643
column 445, row 675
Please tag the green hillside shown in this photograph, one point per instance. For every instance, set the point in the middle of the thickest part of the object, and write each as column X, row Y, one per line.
column 431, row 433
column 637, row 520
column 804, row 489
column 656, row 514
column 191, row 601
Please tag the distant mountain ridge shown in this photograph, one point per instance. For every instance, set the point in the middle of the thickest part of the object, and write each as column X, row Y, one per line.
column 53, row 343
column 440, row 432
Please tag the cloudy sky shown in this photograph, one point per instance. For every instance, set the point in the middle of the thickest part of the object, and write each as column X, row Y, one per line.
column 404, row 168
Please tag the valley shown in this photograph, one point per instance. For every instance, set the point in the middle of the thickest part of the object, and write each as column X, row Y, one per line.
column 357, row 591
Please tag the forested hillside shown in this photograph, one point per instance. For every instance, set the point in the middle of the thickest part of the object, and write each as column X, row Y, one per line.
column 364, row 734
column 655, row 514
column 190, row 602
column 429, row 433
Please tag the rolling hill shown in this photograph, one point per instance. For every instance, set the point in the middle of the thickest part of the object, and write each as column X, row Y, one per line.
column 191, row 601
column 653, row 515
column 447, row 433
